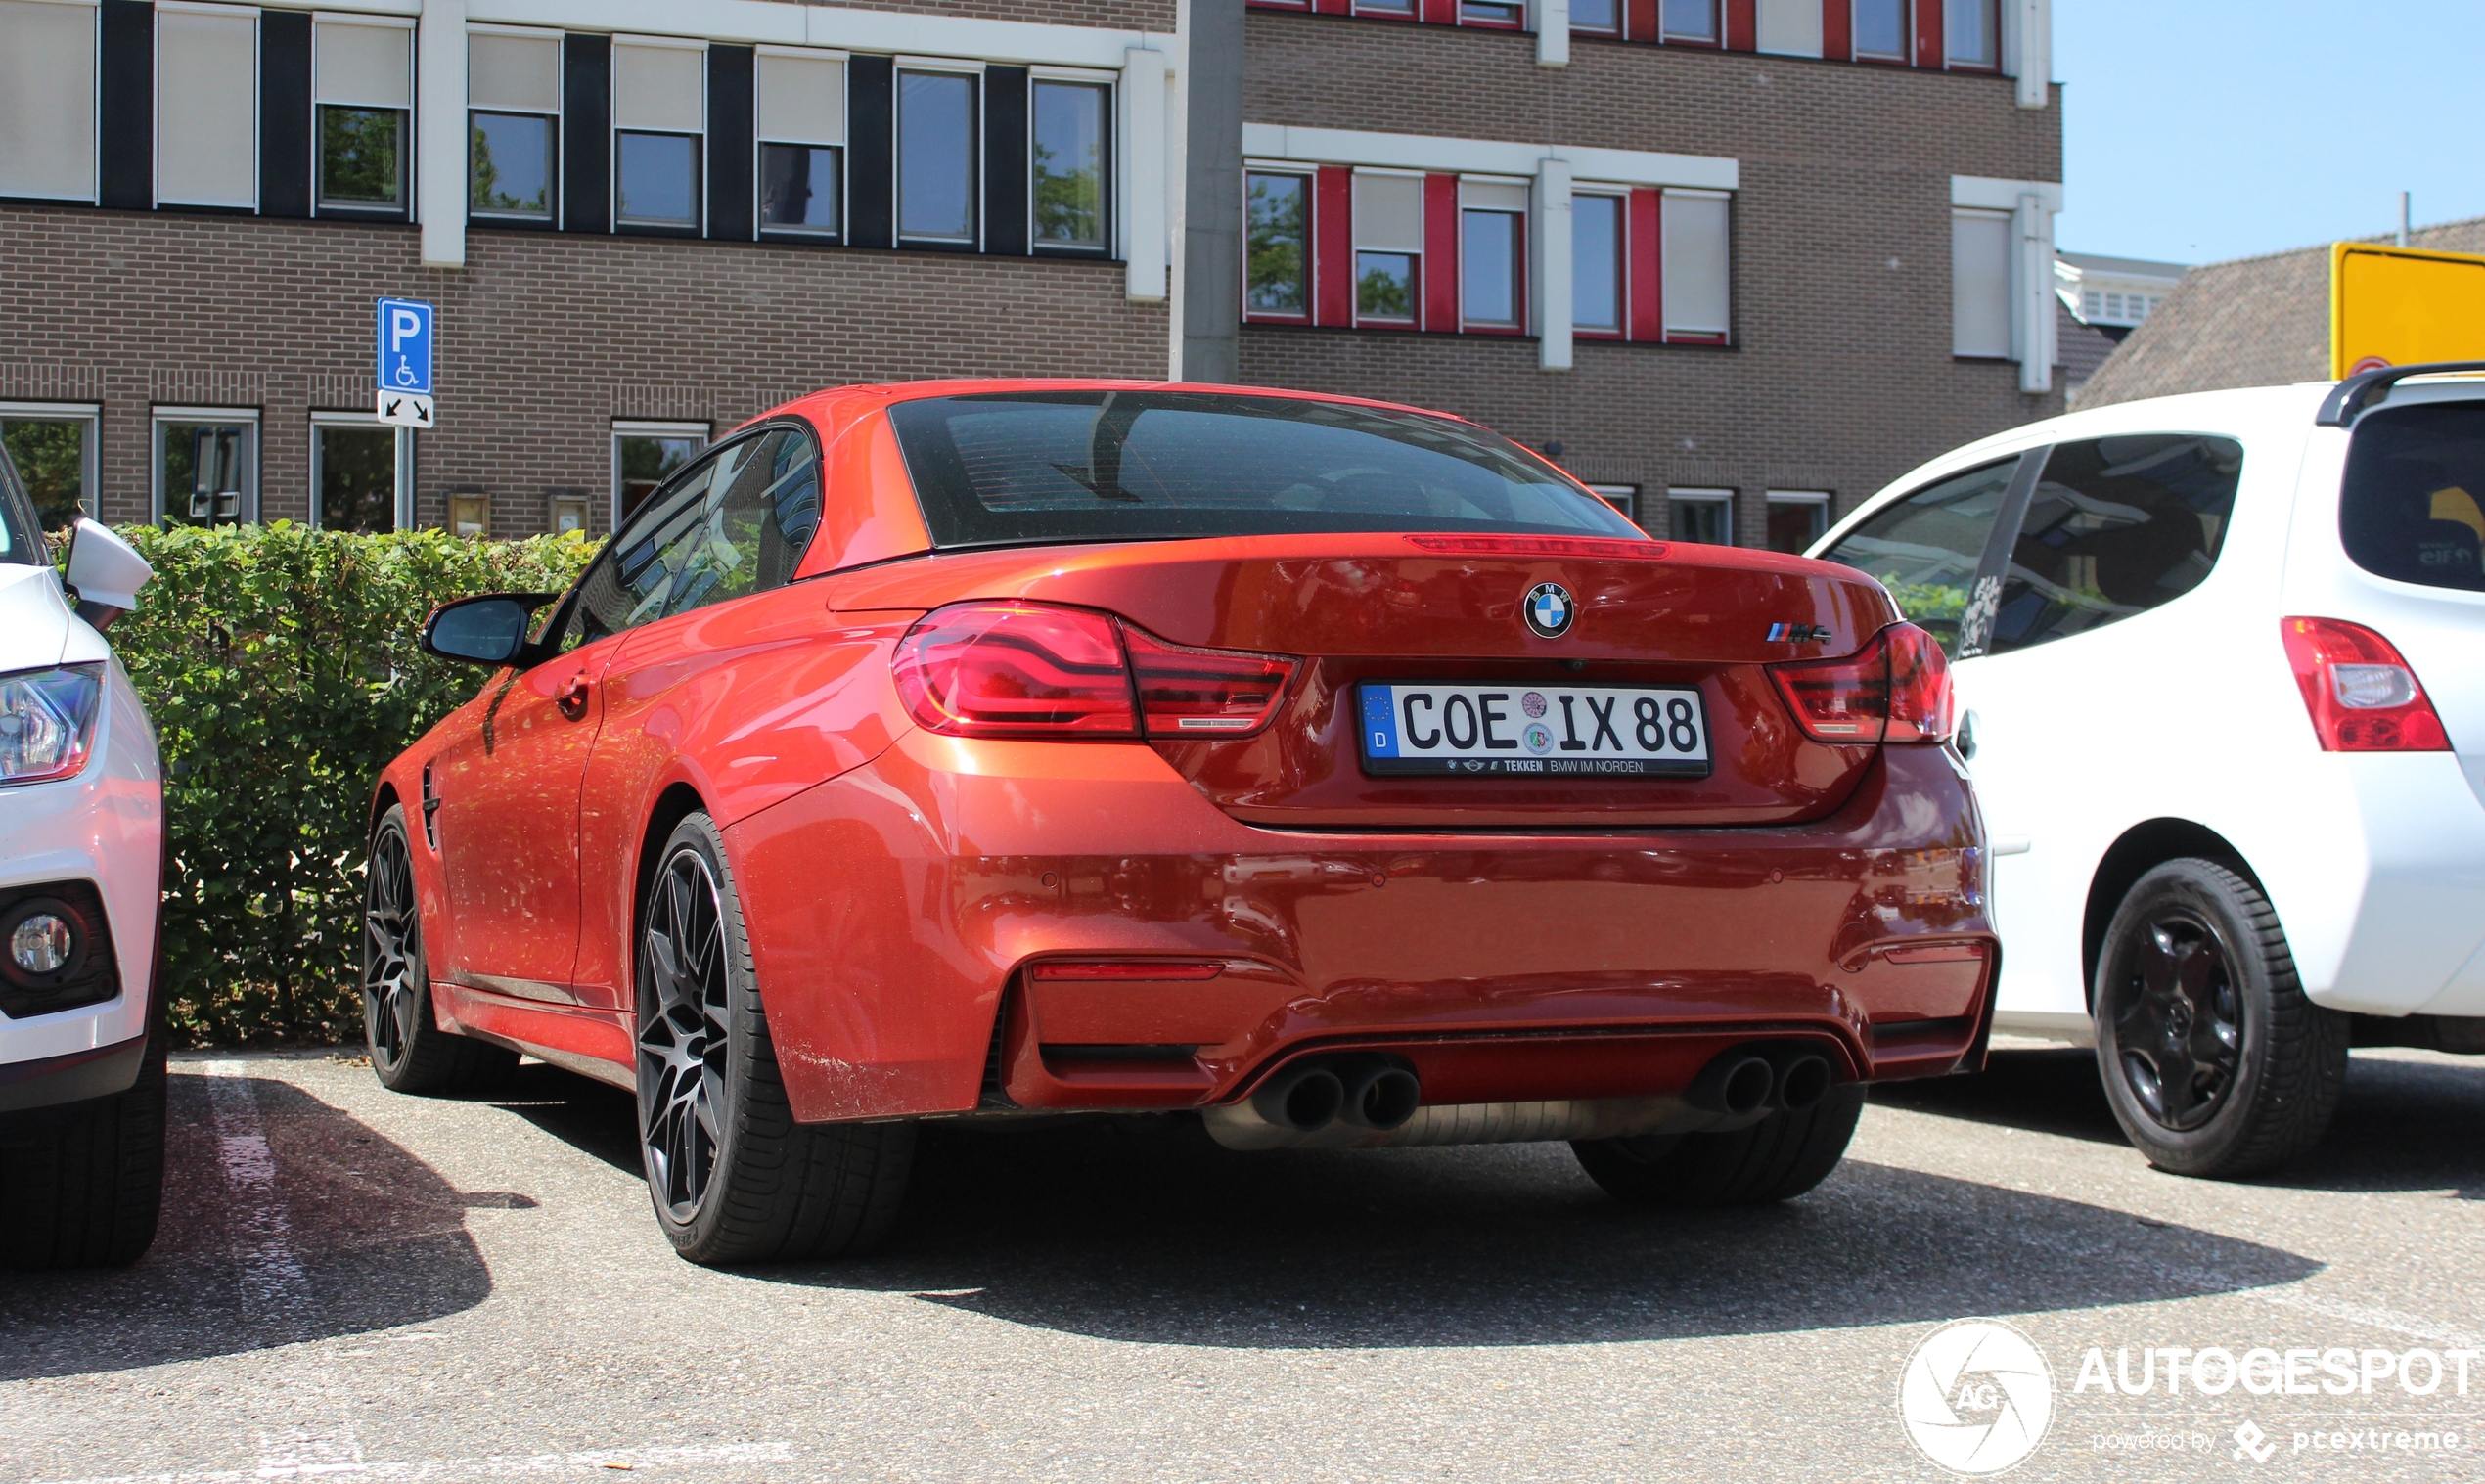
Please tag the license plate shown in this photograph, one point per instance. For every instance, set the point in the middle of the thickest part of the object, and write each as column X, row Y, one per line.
column 1535, row 731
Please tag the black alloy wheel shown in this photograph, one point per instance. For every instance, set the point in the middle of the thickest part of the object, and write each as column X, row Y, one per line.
column 409, row 1052
column 682, row 1033
column 2215, row 1062
column 2179, row 1018
column 733, row 1175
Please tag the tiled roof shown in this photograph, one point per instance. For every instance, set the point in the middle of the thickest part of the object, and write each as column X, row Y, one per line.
column 2079, row 348
column 2254, row 321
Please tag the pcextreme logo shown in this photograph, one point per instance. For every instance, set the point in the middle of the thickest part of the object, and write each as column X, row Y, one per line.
column 1976, row 1397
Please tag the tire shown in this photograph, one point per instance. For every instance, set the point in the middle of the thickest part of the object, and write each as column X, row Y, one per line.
column 409, row 1052
column 81, row 1185
column 2214, row 1062
column 733, row 1176
column 1777, row 1158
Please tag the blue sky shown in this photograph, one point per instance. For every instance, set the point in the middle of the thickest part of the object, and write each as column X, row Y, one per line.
column 2200, row 130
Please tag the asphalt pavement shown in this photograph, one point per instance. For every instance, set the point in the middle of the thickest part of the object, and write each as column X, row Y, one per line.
column 356, row 1285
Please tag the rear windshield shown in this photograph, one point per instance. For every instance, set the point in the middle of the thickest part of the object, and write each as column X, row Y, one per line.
column 1005, row 467
column 2413, row 506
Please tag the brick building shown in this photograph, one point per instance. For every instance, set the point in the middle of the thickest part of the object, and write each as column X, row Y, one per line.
column 1740, row 260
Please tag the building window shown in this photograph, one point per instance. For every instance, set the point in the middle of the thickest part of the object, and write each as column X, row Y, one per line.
column 1602, row 16
column 659, row 116
column 1796, row 520
column 1497, row 13
column 1980, row 283
column 206, row 466
column 362, row 80
column 1692, row 20
column 1699, row 266
column 1402, row 10
column 1278, row 269
column 54, row 447
column 1067, row 164
column 936, row 157
column 1790, row 28
column 208, row 107
column 1595, row 263
column 47, row 125
column 1976, row 32
column 1492, row 255
column 1880, row 29
column 1703, row 515
column 801, row 143
column 1388, row 247
column 360, row 472
column 646, row 453
column 513, row 89
column 1622, row 497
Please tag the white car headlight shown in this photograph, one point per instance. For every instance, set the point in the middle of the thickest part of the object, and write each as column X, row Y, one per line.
column 47, row 721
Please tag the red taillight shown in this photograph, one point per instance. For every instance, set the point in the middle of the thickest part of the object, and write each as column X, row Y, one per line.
column 1203, row 693
column 1024, row 669
column 2362, row 698
column 1895, row 688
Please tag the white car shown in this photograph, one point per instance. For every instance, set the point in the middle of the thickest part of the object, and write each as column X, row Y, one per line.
column 81, row 856
column 2221, row 661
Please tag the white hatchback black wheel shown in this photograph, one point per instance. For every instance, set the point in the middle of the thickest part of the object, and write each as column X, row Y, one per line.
column 2215, row 1062
column 733, row 1176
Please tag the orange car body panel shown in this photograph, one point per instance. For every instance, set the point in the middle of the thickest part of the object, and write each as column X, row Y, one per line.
column 1514, row 940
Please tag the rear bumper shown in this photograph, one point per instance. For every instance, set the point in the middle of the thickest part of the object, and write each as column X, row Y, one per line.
column 895, row 914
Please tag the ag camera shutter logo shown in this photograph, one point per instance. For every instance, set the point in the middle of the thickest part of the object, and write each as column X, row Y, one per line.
column 1976, row 1397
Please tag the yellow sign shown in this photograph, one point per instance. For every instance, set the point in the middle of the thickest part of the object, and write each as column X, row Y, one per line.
column 2398, row 306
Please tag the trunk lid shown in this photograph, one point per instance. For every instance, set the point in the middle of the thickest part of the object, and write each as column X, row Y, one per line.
column 1447, row 610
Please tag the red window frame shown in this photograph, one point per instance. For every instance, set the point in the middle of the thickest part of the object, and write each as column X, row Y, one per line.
column 1441, row 285
column 1311, row 248
column 1623, row 275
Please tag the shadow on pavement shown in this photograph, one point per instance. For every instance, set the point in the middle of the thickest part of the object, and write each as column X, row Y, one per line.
column 1157, row 1234
column 359, row 1236
column 2048, row 1092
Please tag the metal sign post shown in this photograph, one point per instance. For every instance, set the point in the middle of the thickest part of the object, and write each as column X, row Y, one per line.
column 404, row 368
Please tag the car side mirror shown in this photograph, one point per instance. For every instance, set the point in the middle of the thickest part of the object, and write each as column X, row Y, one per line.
column 105, row 572
column 487, row 630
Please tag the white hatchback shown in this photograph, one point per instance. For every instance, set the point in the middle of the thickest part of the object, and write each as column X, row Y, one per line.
column 2221, row 661
column 81, row 854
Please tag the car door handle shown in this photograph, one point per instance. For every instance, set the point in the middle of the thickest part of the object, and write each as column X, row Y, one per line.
column 572, row 698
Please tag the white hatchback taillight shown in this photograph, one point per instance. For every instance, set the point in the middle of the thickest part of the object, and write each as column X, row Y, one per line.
column 1029, row 670
column 2362, row 696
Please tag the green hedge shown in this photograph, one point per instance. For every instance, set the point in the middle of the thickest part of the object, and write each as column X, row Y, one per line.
column 280, row 666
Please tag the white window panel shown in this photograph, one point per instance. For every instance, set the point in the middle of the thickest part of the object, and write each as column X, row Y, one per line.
column 517, row 74
column 1695, row 274
column 1389, row 213
column 659, row 87
column 47, row 100
column 1791, row 27
column 1980, row 282
column 801, row 98
column 208, row 107
column 1492, row 196
column 370, row 66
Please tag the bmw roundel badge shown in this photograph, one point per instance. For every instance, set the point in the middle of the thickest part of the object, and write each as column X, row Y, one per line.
column 1548, row 610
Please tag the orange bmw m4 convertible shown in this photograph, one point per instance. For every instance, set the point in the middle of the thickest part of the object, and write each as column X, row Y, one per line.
column 1335, row 773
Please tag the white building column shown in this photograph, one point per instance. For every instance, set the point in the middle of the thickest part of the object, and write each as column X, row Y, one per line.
column 1145, row 75
column 1552, row 19
column 439, row 132
column 2032, row 320
column 2029, row 39
column 1550, row 247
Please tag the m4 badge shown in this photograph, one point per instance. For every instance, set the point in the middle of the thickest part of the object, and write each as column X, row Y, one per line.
column 1799, row 633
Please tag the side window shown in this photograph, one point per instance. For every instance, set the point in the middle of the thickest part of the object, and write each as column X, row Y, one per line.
column 1925, row 548
column 2115, row 527
column 2413, row 506
column 735, row 524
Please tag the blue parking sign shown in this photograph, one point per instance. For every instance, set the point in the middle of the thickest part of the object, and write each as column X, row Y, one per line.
column 405, row 346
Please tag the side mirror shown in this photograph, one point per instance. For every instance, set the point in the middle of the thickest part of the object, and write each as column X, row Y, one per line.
column 105, row 572
column 487, row 630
